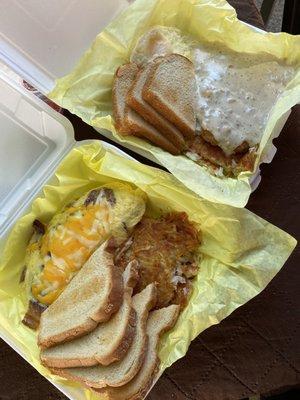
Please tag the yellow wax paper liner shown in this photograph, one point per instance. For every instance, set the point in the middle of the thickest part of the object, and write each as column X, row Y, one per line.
column 86, row 91
column 241, row 252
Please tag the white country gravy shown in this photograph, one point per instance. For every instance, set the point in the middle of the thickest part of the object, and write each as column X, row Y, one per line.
column 236, row 94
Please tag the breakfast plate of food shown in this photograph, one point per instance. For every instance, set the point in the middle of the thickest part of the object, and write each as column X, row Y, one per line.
column 161, row 96
column 192, row 88
column 116, row 267
column 109, row 268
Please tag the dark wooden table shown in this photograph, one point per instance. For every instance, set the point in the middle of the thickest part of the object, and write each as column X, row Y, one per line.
column 254, row 351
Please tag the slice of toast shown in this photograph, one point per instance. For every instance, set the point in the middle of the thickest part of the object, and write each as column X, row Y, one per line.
column 141, row 128
column 107, row 343
column 159, row 322
column 171, row 90
column 124, row 77
column 127, row 121
column 93, row 295
column 121, row 372
column 137, row 103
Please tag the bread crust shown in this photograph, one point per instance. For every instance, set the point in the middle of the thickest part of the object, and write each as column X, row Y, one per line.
column 150, row 371
column 144, row 130
column 124, row 343
column 124, row 76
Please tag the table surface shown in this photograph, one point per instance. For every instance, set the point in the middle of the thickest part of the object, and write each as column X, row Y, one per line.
column 256, row 350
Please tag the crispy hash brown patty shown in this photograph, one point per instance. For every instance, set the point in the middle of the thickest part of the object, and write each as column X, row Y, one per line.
column 167, row 252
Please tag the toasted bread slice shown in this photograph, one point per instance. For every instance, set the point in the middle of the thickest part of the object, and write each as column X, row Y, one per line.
column 109, row 342
column 159, row 322
column 141, row 128
column 121, row 372
column 171, row 89
column 137, row 103
column 93, row 295
column 127, row 121
column 124, row 77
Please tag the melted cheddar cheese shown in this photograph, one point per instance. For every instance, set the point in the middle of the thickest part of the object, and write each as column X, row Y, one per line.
column 66, row 247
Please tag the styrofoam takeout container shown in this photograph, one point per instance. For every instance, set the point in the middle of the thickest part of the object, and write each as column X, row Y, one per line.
column 39, row 41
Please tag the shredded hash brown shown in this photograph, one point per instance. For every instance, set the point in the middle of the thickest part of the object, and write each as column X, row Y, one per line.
column 167, row 252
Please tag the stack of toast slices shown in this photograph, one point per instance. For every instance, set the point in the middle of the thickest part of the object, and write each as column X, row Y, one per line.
column 156, row 101
column 99, row 334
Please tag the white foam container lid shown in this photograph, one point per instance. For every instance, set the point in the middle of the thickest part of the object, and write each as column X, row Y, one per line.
column 42, row 40
column 39, row 41
column 34, row 138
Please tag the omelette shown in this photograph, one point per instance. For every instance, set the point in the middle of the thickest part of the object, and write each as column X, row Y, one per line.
column 57, row 251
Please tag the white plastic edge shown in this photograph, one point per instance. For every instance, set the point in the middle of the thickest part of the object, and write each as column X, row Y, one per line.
column 36, row 76
column 62, row 149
